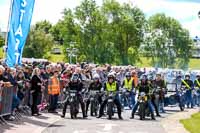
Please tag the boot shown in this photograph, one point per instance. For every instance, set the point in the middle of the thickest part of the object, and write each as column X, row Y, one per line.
column 120, row 116
column 153, row 117
column 132, row 116
column 62, row 116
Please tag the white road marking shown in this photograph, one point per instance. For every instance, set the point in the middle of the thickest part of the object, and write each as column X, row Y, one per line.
column 82, row 131
column 108, row 127
column 102, row 132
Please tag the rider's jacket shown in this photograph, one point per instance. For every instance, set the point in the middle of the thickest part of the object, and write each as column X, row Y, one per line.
column 95, row 86
column 128, row 84
column 187, row 83
column 159, row 83
column 111, row 86
column 144, row 87
column 197, row 83
column 75, row 86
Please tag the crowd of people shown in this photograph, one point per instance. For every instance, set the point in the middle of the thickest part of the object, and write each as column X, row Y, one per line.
column 38, row 83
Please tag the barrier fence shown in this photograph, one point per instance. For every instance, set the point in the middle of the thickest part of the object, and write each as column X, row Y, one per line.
column 6, row 97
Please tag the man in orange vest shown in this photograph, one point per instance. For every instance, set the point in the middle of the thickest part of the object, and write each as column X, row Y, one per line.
column 53, row 91
column 134, row 78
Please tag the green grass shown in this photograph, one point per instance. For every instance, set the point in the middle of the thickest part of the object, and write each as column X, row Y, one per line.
column 192, row 124
column 1, row 52
column 145, row 62
column 194, row 63
column 57, row 57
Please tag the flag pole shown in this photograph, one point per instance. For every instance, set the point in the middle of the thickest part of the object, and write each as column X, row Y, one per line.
column 8, row 28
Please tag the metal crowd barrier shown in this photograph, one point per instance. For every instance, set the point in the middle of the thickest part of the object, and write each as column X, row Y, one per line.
column 6, row 97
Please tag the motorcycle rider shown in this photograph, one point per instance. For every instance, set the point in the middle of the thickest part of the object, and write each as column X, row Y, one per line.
column 96, row 86
column 188, row 85
column 111, row 85
column 75, row 84
column 159, row 82
column 144, row 86
column 128, row 85
column 197, row 86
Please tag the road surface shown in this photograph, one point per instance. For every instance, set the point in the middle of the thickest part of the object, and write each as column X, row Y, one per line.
column 103, row 125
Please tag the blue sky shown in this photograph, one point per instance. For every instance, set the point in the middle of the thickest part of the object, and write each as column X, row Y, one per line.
column 183, row 10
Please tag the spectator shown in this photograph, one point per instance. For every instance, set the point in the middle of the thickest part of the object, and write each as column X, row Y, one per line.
column 54, row 91
column 35, row 90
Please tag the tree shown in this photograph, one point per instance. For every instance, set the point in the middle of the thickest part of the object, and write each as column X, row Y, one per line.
column 44, row 26
column 57, row 34
column 166, row 41
column 38, row 43
column 126, row 26
column 90, row 29
column 2, row 41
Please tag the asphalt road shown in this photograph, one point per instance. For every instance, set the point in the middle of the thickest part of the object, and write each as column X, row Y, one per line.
column 103, row 125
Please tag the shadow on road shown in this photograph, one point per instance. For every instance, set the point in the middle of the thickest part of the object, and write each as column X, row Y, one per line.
column 23, row 121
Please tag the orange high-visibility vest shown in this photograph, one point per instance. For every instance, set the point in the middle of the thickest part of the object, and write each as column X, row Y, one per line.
column 53, row 86
column 135, row 79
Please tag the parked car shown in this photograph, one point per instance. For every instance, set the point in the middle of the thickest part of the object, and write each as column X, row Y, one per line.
column 56, row 51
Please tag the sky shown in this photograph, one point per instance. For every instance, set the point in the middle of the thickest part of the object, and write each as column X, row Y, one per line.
column 185, row 11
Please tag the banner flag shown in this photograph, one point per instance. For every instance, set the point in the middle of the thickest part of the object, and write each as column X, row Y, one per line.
column 19, row 26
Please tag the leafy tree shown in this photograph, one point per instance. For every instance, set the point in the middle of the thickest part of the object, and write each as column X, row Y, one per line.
column 38, row 43
column 44, row 26
column 166, row 41
column 57, row 34
column 2, row 41
column 126, row 26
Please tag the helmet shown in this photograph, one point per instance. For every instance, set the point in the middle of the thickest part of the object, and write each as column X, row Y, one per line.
column 187, row 74
column 111, row 75
column 143, row 76
column 128, row 74
column 75, row 77
column 114, row 73
column 178, row 76
column 198, row 74
column 96, row 76
column 158, row 74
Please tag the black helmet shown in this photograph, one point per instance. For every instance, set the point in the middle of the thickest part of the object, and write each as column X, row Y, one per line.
column 75, row 77
column 128, row 74
column 144, row 77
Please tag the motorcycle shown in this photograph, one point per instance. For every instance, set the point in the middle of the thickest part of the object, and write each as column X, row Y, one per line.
column 142, row 105
column 74, row 104
column 195, row 95
column 125, row 98
column 181, row 95
column 94, row 103
column 110, row 105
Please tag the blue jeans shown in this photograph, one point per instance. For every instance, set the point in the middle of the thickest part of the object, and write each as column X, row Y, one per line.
column 53, row 102
column 189, row 99
column 137, row 104
column 196, row 99
column 130, row 102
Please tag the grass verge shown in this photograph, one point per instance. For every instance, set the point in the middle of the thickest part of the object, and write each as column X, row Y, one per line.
column 192, row 124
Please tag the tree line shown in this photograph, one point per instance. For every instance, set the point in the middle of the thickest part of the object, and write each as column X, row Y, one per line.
column 113, row 33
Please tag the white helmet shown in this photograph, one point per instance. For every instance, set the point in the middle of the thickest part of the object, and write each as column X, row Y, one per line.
column 96, row 76
column 187, row 74
column 111, row 75
column 198, row 74
column 158, row 73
